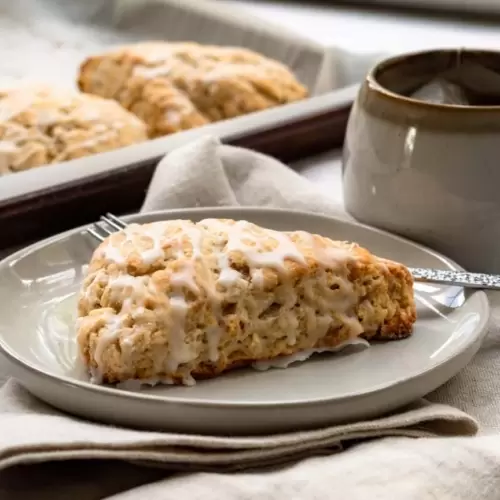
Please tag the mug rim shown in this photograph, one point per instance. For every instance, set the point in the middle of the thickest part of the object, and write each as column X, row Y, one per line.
column 375, row 86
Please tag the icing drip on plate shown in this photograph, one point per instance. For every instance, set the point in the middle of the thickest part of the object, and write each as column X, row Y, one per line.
column 299, row 357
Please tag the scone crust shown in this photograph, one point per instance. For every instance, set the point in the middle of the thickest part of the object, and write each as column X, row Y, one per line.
column 40, row 125
column 174, row 300
column 178, row 86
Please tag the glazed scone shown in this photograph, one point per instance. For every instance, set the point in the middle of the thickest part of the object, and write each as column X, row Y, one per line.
column 40, row 125
column 175, row 301
column 177, row 86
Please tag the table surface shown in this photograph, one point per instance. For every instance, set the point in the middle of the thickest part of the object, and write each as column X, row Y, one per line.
column 367, row 31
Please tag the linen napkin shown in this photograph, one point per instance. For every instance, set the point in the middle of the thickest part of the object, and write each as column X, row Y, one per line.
column 206, row 173
column 305, row 464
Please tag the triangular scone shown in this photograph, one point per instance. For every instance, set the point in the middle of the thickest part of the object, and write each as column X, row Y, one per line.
column 176, row 300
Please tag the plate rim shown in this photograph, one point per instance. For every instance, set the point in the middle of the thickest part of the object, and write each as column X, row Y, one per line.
column 88, row 387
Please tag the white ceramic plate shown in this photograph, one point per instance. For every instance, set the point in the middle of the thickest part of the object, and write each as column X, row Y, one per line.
column 37, row 310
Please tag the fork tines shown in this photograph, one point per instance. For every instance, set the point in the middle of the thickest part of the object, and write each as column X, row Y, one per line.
column 108, row 224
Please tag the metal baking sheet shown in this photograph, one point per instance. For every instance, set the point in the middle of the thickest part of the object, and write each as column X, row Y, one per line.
column 52, row 37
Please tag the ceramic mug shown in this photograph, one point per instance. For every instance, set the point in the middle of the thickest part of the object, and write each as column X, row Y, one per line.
column 426, row 170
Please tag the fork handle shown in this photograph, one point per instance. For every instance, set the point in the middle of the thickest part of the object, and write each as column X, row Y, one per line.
column 458, row 278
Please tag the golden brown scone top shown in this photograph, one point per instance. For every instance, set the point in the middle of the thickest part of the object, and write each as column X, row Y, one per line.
column 142, row 249
column 176, row 86
column 41, row 125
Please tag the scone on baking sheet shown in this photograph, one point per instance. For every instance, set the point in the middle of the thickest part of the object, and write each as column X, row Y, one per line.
column 175, row 301
column 177, row 86
column 41, row 125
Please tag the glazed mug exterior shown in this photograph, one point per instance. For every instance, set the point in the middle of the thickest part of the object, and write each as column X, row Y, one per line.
column 429, row 172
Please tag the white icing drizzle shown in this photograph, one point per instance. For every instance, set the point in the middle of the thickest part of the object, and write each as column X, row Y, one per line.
column 213, row 338
column 329, row 257
column 228, row 276
column 136, row 384
column 113, row 253
column 185, row 278
column 110, row 333
column 242, row 237
column 151, row 72
column 179, row 350
column 126, row 280
column 257, row 277
column 156, row 234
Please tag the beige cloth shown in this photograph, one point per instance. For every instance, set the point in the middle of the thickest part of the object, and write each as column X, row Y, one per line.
column 447, row 463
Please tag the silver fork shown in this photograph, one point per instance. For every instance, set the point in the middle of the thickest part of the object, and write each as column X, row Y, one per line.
column 99, row 230
column 110, row 224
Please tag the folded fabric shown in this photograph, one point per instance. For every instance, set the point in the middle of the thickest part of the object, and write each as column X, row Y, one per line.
column 392, row 468
column 34, row 432
column 208, row 174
